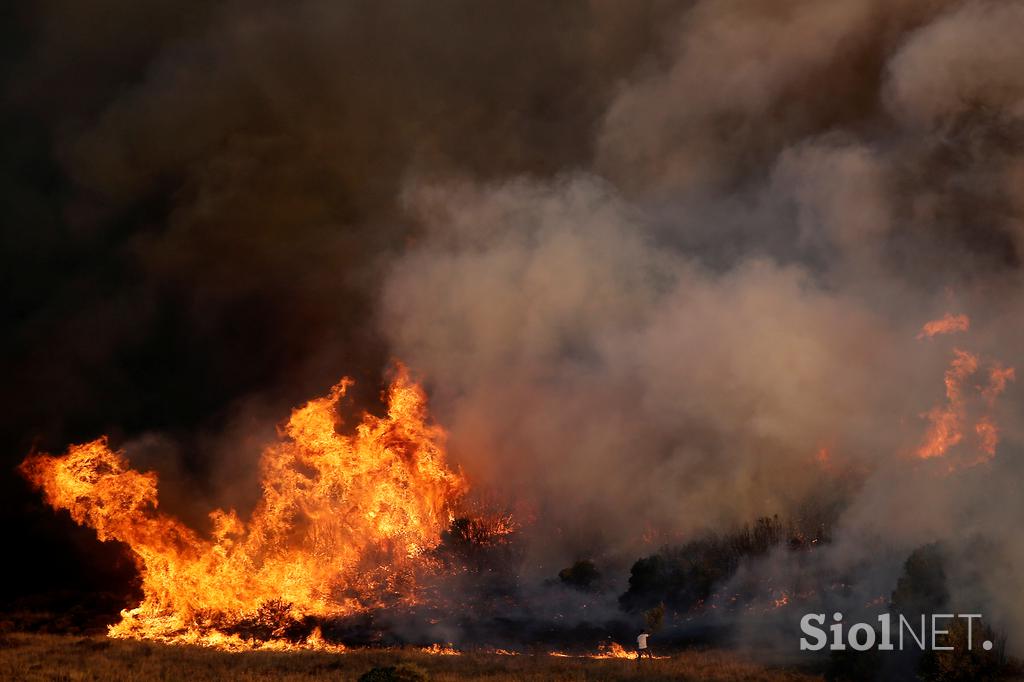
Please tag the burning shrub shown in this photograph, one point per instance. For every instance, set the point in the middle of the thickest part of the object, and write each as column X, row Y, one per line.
column 481, row 545
column 272, row 620
column 471, row 533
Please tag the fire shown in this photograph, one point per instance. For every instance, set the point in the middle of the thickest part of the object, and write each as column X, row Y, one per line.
column 998, row 376
column 988, row 436
column 946, row 422
column 613, row 650
column 343, row 525
column 438, row 650
column 604, row 651
column 948, row 324
column 945, row 431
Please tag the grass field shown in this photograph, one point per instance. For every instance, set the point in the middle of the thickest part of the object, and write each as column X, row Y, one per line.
column 66, row 658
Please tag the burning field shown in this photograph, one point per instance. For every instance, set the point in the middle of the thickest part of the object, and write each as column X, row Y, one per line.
column 488, row 339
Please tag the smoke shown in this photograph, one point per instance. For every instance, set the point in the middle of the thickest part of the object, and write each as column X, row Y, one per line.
column 615, row 385
column 663, row 340
column 650, row 258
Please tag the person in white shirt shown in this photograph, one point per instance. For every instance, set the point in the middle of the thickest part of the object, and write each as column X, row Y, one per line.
column 641, row 646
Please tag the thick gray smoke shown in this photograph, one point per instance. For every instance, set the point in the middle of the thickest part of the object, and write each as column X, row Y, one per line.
column 662, row 340
column 662, row 265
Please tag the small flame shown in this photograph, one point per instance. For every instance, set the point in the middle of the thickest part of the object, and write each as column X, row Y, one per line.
column 998, row 377
column 438, row 650
column 612, row 650
column 947, row 324
column 988, row 436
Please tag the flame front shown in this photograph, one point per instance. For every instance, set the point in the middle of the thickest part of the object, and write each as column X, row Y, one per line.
column 342, row 526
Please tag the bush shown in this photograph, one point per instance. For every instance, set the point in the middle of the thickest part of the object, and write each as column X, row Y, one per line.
column 922, row 589
column 961, row 664
column 922, row 586
column 655, row 618
column 681, row 577
column 582, row 575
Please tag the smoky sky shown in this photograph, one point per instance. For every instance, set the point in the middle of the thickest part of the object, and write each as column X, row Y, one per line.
column 649, row 258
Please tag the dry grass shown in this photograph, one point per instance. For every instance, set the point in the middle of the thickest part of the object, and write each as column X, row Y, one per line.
column 52, row 657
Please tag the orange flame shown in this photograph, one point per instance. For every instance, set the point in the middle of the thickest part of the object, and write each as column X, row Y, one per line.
column 343, row 523
column 988, row 436
column 945, row 431
column 604, row 651
column 438, row 650
column 998, row 377
column 946, row 421
column 947, row 324
column 612, row 650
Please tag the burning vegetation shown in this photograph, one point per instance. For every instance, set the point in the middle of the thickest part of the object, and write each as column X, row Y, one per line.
column 374, row 520
column 346, row 523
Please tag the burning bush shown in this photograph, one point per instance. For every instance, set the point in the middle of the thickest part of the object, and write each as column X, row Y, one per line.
column 484, row 548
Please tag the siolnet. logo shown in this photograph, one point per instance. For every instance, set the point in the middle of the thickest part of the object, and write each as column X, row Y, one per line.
column 930, row 634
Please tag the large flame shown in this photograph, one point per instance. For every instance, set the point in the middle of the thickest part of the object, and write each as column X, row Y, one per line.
column 343, row 524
